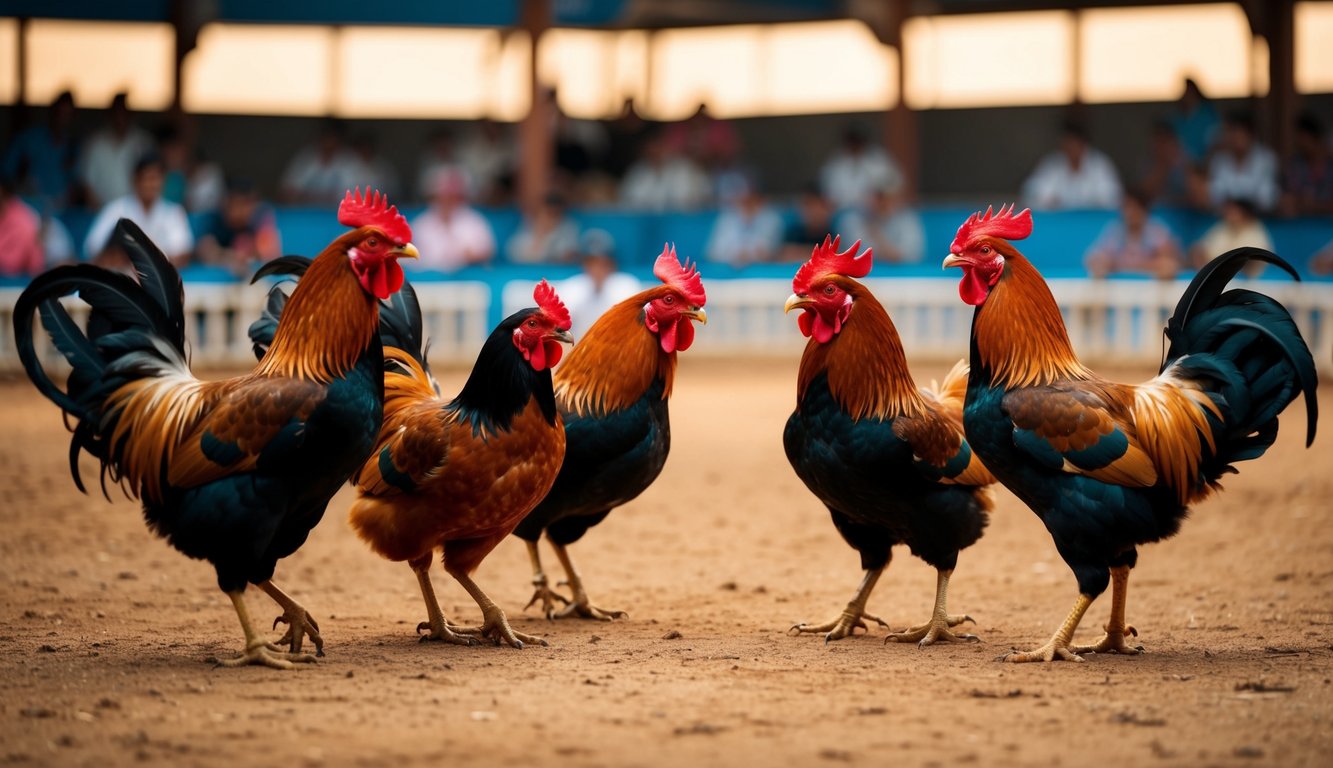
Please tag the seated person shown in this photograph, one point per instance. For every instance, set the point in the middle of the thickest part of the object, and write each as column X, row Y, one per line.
column 1134, row 243
column 546, row 236
column 746, row 231
column 814, row 221
column 164, row 222
column 21, row 253
column 242, row 234
column 1242, row 167
column 450, row 233
column 1076, row 176
column 889, row 225
column 600, row 286
column 1239, row 226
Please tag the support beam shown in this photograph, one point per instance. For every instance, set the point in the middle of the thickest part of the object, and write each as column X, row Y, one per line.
column 536, row 150
column 1282, row 102
column 901, row 127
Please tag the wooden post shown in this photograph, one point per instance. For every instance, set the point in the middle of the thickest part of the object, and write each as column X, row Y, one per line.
column 536, row 137
column 901, row 129
column 1282, row 98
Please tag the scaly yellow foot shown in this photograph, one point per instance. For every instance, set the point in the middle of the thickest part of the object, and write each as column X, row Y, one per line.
column 546, row 596
column 580, row 605
column 443, row 632
column 1057, row 648
column 495, row 627
column 300, row 624
column 845, row 625
column 263, row 653
column 933, row 631
column 1113, row 642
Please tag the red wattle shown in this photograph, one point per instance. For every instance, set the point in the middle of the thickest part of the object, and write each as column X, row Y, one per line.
column 684, row 334
column 553, row 351
column 806, row 318
column 973, row 289
column 666, row 336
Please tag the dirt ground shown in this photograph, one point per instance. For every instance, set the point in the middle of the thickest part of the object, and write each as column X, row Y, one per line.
column 105, row 631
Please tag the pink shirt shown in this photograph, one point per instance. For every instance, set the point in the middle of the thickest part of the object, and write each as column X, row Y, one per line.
column 20, row 240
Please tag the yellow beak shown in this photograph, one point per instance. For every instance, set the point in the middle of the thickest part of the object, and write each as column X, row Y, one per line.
column 797, row 302
column 696, row 313
column 408, row 251
column 953, row 260
column 563, row 336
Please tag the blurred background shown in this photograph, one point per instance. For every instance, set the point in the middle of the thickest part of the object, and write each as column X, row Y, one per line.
column 572, row 138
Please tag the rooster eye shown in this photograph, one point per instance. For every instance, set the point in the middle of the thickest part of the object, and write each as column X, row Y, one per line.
column 828, row 290
column 532, row 323
column 985, row 249
column 669, row 300
column 372, row 242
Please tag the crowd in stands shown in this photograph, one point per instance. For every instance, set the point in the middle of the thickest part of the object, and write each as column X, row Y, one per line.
column 1198, row 160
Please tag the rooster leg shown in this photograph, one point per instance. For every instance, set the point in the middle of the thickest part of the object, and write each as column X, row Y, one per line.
column 853, row 616
column 1114, row 639
column 1058, row 646
column 436, row 628
column 257, row 649
column 299, row 622
column 581, row 606
column 937, row 628
column 495, row 625
column 543, row 592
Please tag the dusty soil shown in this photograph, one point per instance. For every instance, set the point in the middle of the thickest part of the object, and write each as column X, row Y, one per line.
column 105, row 631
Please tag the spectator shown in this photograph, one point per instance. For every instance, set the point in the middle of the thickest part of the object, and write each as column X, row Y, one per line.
column 322, row 173
column 1076, row 176
column 663, row 181
column 109, row 158
column 197, row 185
column 487, row 155
column 1197, row 194
column 1134, row 243
column 1242, row 167
column 374, row 170
column 890, row 225
column 625, row 135
column 21, row 251
column 1239, row 226
column 243, row 233
column 57, row 243
column 814, row 221
column 451, row 234
column 856, row 170
column 164, row 222
column 746, row 231
column 437, row 158
column 1322, row 262
column 547, row 235
column 1195, row 122
column 1308, row 189
column 600, row 286
column 43, row 158
column 709, row 142
column 1166, row 177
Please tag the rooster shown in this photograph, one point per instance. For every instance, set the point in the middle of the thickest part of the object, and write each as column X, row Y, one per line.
column 887, row 459
column 460, row 474
column 1107, row 466
column 612, row 392
column 236, row 472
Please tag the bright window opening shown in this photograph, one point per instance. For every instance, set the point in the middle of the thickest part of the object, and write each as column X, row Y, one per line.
column 1144, row 54
column 1314, row 62
column 718, row 66
column 96, row 60
column 836, row 66
column 261, row 70
column 989, row 59
column 415, row 72
column 9, row 76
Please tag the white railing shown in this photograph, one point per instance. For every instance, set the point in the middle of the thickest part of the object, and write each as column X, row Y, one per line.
column 218, row 316
column 1110, row 322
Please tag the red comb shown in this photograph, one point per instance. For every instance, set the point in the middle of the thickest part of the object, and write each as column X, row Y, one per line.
column 683, row 276
column 373, row 210
column 825, row 260
column 551, row 304
column 1003, row 223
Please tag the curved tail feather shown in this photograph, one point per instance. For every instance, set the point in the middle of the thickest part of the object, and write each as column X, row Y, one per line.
column 1244, row 349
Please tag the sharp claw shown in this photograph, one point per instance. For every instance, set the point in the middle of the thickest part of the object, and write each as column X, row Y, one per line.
column 1132, row 631
column 282, row 619
column 967, row 619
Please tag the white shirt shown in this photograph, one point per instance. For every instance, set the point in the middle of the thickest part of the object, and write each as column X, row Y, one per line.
column 901, row 230
column 165, row 223
column 448, row 243
column 738, row 239
column 317, row 180
column 1055, row 184
column 672, row 186
column 108, row 163
column 1253, row 177
column 848, row 180
column 586, row 303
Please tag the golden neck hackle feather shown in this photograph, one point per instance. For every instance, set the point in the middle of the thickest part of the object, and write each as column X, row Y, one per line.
column 327, row 323
column 867, row 369
column 615, row 362
column 1020, row 333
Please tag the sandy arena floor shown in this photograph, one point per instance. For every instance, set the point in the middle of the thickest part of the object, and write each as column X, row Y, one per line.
column 104, row 630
